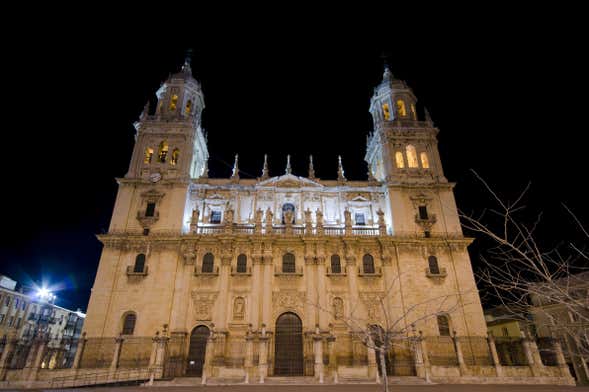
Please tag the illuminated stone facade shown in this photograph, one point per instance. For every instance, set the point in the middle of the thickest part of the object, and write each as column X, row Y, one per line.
column 229, row 256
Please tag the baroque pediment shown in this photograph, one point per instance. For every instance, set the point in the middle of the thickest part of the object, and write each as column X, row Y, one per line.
column 289, row 181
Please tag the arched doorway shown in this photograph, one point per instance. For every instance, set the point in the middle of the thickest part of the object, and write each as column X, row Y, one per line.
column 288, row 346
column 197, row 351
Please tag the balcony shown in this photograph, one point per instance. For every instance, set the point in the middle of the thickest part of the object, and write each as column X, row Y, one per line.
column 131, row 271
column 198, row 272
column 342, row 272
column 297, row 272
column 147, row 221
column 247, row 272
column 377, row 272
column 441, row 274
column 250, row 229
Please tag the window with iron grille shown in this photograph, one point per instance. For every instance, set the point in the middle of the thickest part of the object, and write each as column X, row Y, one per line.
column 208, row 262
column 336, row 266
column 288, row 263
column 242, row 263
column 368, row 264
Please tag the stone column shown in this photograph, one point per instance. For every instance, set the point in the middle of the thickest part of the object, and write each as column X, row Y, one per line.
column 41, row 344
column 459, row 356
column 223, row 291
column 324, row 310
column 352, row 280
column 154, row 345
column 418, row 357
column 207, row 369
column 564, row 368
column 8, row 348
column 332, row 358
column 268, row 268
column 310, row 303
column 254, row 304
column 263, row 354
column 114, row 364
column 249, row 354
column 79, row 351
column 426, row 363
column 530, row 357
column 494, row 355
column 318, row 354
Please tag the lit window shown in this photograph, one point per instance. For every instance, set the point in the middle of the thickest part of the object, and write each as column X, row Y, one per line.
column 444, row 325
column 148, row 155
column 413, row 112
column 173, row 102
column 129, row 324
column 411, row 156
column 163, row 151
column 360, row 219
column 424, row 160
column 188, row 106
column 401, row 108
column 400, row 161
column 386, row 112
column 216, row 217
column 175, row 155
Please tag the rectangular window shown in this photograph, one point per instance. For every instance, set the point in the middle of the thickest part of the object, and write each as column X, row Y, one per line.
column 360, row 219
column 24, row 305
column 423, row 212
column 16, row 303
column 215, row 216
column 150, row 210
column 145, row 231
column 504, row 331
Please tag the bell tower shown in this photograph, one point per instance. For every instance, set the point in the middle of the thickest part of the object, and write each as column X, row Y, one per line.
column 170, row 143
column 402, row 153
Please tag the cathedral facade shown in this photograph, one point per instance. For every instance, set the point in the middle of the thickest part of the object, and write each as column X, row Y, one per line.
column 283, row 276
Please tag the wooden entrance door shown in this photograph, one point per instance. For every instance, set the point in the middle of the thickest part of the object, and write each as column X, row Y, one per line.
column 197, row 351
column 288, row 347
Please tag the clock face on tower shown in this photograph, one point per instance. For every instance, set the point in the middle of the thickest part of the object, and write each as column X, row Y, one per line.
column 155, row 177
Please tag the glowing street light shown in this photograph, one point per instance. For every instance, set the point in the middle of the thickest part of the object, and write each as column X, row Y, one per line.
column 45, row 295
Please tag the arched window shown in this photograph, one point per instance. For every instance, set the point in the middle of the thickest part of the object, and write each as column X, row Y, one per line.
column 424, row 160
column 162, row 152
column 386, row 112
column 208, row 262
column 139, row 263
column 129, row 323
column 336, row 267
column 175, row 155
column 411, row 156
column 399, row 160
column 444, row 325
column 288, row 263
column 173, row 102
column 368, row 264
column 433, row 265
column 242, row 263
column 188, row 106
column 148, row 155
column 401, row 109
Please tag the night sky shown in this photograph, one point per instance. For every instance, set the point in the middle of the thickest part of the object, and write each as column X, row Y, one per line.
column 502, row 89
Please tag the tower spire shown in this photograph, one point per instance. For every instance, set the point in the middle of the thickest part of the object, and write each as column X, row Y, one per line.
column 340, row 169
column 235, row 174
column 186, row 68
column 265, row 168
column 311, row 169
column 288, row 168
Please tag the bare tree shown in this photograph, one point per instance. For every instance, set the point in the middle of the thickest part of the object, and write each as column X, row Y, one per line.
column 387, row 326
column 529, row 276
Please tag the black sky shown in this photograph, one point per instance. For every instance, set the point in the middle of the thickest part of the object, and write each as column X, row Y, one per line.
column 506, row 89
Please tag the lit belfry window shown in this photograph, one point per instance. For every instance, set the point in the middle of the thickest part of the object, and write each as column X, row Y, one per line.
column 175, row 155
column 173, row 102
column 386, row 112
column 148, row 155
column 424, row 160
column 162, row 153
column 413, row 112
column 401, row 109
column 399, row 160
column 411, row 156
column 188, row 106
